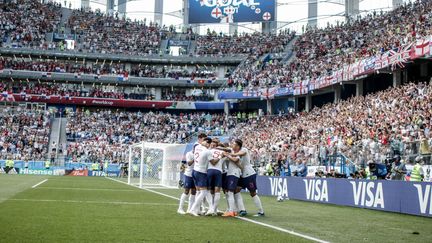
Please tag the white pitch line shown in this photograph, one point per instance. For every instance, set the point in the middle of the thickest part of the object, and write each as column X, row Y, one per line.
column 283, row 230
column 85, row 189
column 241, row 218
column 39, row 183
column 145, row 189
column 91, row 202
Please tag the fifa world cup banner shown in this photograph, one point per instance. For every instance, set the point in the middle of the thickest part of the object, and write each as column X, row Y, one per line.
column 394, row 196
column 231, row 11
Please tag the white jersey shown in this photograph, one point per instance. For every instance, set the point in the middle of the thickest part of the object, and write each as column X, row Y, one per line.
column 224, row 162
column 216, row 154
column 232, row 169
column 189, row 168
column 202, row 156
column 248, row 170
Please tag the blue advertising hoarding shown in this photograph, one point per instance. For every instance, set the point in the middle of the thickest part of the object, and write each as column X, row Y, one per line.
column 231, row 11
column 394, row 196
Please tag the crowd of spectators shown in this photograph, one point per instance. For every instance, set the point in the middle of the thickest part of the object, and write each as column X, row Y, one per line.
column 106, row 68
column 105, row 135
column 69, row 90
column 24, row 134
column 256, row 43
column 25, row 23
column 367, row 129
column 319, row 52
column 101, row 33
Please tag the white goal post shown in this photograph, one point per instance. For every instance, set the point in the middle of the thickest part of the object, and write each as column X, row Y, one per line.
column 155, row 164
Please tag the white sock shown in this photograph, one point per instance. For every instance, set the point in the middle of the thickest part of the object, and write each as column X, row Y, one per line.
column 198, row 200
column 239, row 201
column 216, row 201
column 191, row 201
column 231, row 202
column 209, row 200
column 226, row 199
column 182, row 200
column 258, row 204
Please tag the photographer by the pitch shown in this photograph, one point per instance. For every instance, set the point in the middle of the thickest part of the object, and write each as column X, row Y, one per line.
column 398, row 170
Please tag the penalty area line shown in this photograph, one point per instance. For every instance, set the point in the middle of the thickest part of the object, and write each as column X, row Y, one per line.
column 145, row 189
column 34, row 186
column 241, row 218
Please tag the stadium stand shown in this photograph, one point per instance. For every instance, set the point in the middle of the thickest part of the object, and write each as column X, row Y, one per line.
column 24, row 134
column 257, row 44
column 364, row 128
column 106, row 68
column 353, row 128
column 105, row 135
column 25, row 23
column 322, row 51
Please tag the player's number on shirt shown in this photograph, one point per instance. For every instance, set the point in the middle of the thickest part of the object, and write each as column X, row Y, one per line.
column 217, row 154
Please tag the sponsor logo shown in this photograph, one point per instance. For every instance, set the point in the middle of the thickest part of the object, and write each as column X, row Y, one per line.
column 79, row 173
column 368, row 194
column 279, row 186
column 102, row 173
column 225, row 3
column 102, row 102
column 424, row 197
column 316, row 190
column 42, row 172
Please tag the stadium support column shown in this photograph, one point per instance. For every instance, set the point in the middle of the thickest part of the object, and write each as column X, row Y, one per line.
column 158, row 93
column 359, row 87
column 352, row 9
column 397, row 3
column 337, row 92
column 397, row 78
column 270, row 27
column 233, row 28
column 121, row 8
column 312, row 13
column 308, row 103
column 85, row 4
column 158, row 11
column 226, row 108
column 269, row 107
column 110, row 7
column 195, row 27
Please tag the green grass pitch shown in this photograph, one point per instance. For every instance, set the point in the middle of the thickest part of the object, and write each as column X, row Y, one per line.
column 92, row 209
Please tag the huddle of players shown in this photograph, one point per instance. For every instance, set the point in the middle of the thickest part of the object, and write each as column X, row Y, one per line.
column 212, row 166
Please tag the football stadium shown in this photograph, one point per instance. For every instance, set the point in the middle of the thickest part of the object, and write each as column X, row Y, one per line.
column 216, row 120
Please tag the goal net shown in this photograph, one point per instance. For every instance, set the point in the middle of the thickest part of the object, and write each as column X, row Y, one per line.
column 155, row 164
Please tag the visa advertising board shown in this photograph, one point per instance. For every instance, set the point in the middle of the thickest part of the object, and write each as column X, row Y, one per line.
column 394, row 196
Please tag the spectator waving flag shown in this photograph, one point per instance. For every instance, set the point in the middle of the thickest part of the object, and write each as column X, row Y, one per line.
column 422, row 48
column 400, row 56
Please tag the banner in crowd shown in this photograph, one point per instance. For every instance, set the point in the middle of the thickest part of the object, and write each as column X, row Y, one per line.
column 394, row 196
column 231, row 11
column 393, row 59
column 55, row 99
